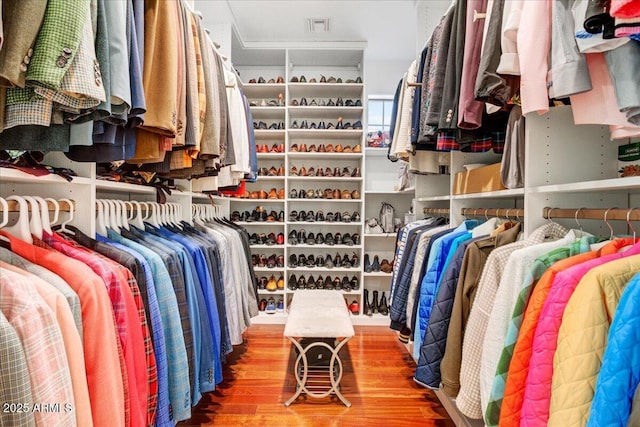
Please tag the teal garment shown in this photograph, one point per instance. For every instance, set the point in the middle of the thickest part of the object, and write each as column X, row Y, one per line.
column 177, row 361
column 429, row 285
column 540, row 265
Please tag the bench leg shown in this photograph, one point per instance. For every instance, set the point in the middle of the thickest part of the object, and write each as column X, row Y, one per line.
column 301, row 371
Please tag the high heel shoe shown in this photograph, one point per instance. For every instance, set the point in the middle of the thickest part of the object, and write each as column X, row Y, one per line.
column 374, row 303
column 383, row 307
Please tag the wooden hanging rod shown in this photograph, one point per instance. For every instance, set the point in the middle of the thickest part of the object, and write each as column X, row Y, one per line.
column 619, row 214
column 64, row 206
column 414, row 84
column 497, row 212
column 436, row 211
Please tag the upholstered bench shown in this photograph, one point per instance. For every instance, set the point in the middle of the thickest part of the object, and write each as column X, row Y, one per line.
column 318, row 325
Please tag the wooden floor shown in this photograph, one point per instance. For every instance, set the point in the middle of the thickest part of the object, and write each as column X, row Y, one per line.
column 377, row 380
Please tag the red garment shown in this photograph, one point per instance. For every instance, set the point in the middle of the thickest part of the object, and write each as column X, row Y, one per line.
column 625, row 8
column 104, row 376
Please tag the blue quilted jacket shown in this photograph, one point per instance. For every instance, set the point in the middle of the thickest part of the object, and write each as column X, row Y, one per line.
column 435, row 338
column 620, row 372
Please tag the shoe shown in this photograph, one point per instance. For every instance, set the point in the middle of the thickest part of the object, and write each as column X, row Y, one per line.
column 303, row 102
column 346, row 262
column 271, row 306
column 319, row 216
column 346, row 240
column 303, row 79
column 346, row 284
column 347, row 149
column 294, row 79
column 280, row 261
column 295, row 125
column 280, row 79
column 303, row 148
column 318, row 194
column 302, row 236
column 328, row 262
column 293, row 282
column 281, row 194
column 355, row 283
column 355, row 217
column 311, row 240
column 271, row 239
column 375, row 266
column 311, row 283
column 272, row 285
column 340, row 125
column 302, row 283
column 323, row 79
column 262, row 305
column 367, row 264
column 328, row 284
column 262, row 284
column 310, row 195
column 261, row 80
column 339, row 148
column 354, row 308
column 280, row 283
column 367, row 307
column 312, row 170
column 293, row 261
column 338, row 217
column 293, row 238
column 330, row 148
column 320, row 283
column 281, row 216
column 312, row 147
column 294, row 148
column 280, row 239
column 355, row 194
column 329, row 240
column 346, row 217
column 357, row 149
column 311, row 261
column 383, row 306
column 293, row 193
column 319, row 261
column 356, row 238
column 337, row 194
column 374, row 303
column 293, row 216
column 280, row 306
column 320, row 239
column 331, row 79
column 302, row 261
column 346, row 194
column 355, row 260
column 359, row 79
column 386, row 266
column 357, row 125
column 304, row 125
column 356, row 172
column 337, row 284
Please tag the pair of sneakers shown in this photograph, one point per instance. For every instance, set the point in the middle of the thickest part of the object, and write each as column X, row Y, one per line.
column 270, row 306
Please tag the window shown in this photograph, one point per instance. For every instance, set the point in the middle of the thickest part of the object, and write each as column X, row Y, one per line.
column 379, row 120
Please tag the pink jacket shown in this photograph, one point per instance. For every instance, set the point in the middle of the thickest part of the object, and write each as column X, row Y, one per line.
column 537, row 395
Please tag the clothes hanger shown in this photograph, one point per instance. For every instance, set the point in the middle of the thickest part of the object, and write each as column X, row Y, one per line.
column 56, row 209
column 44, row 214
column 72, row 209
column 101, row 228
column 35, row 220
column 124, row 220
column 138, row 217
column 21, row 228
column 629, row 222
column 111, row 215
column 130, row 210
column 5, row 212
column 153, row 217
column 607, row 222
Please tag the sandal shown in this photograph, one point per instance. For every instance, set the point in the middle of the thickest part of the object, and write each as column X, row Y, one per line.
column 293, row 216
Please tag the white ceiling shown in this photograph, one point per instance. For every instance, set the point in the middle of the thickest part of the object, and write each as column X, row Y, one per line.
column 387, row 26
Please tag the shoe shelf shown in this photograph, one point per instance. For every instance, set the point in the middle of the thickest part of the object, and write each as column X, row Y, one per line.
column 326, row 90
column 433, row 198
column 325, row 178
column 260, row 223
column 326, row 270
column 322, row 223
column 332, row 156
column 269, row 318
column 409, row 190
column 270, row 178
column 377, row 274
column 626, row 184
column 268, row 156
column 263, row 90
column 266, row 246
column 322, row 112
column 382, row 235
column 353, row 292
column 490, row 194
column 277, row 134
column 267, row 269
column 237, row 199
column 266, row 292
column 323, row 246
column 325, row 200
column 332, row 134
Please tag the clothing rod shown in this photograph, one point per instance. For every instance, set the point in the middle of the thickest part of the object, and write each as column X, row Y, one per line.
column 436, row 211
column 497, row 212
column 619, row 214
column 414, row 84
column 64, row 206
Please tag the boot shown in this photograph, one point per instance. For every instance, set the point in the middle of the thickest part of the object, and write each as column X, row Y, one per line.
column 376, row 264
column 374, row 303
column 367, row 307
column 384, row 307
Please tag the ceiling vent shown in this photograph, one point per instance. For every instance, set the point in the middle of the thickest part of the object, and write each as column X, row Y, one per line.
column 318, row 25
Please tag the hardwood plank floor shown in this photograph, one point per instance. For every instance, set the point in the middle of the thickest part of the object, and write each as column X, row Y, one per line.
column 378, row 371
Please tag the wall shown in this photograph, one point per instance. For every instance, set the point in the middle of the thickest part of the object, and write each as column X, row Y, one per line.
column 383, row 76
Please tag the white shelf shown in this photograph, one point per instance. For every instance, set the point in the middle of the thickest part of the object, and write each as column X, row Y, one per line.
column 490, row 194
column 264, row 318
column 270, row 156
column 320, row 112
column 377, row 274
column 356, row 292
column 324, row 178
column 267, row 269
column 326, row 200
column 260, row 223
column 333, row 156
column 408, row 191
column 269, row 134
column 433, row 198
column 15, row 175
column 325, row 270
column 616, row 184
column 123, row 187
column 326, row 90
column 268, row 178
column 323, row 246
column 375, row 320
column 384, row 235
column 274, row 246
column 237, row 199
column 268, row 113
column 279, row 292
column 321, row 223
column 332, row 134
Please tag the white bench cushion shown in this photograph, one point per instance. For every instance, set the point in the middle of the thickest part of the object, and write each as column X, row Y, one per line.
column 318, row 314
